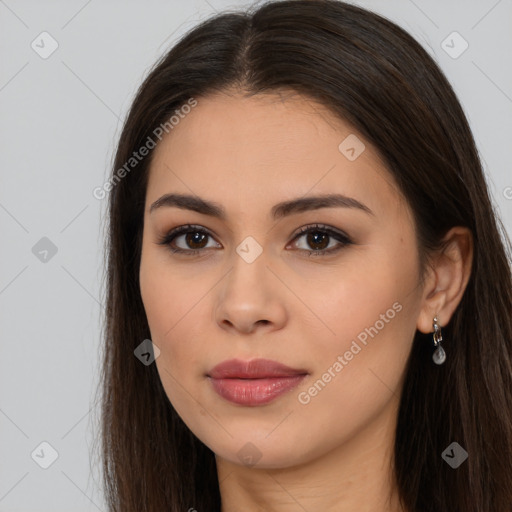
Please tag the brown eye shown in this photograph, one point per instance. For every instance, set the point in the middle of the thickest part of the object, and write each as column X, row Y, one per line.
column 187, row 240
column 317, row 240
column 321, row 240
column 196, row 239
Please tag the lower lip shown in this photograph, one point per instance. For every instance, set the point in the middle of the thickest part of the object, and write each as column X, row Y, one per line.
column 251, row 392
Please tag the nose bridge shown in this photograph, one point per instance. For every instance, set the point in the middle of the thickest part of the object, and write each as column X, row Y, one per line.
column 249, row 294
column 249, row 264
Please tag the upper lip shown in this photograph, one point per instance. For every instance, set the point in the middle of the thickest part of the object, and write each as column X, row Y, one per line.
column 253, row 369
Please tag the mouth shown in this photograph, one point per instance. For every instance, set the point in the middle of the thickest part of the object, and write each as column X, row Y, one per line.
column 255, row 382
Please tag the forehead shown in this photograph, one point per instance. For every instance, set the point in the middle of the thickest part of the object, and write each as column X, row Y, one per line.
column 279, row 145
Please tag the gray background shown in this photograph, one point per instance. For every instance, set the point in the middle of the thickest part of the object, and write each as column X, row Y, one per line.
column 59, row 120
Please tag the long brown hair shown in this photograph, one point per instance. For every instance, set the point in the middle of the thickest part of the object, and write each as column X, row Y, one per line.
column 375, row 76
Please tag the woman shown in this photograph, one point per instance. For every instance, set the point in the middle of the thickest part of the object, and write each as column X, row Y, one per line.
column 309, row 295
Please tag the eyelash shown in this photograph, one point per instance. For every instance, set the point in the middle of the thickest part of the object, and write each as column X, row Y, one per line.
column 315, row 228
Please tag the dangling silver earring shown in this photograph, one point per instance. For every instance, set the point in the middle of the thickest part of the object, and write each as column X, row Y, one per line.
column 439, row 356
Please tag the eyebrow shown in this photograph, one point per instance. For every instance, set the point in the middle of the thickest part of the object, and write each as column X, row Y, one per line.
column 280, row 210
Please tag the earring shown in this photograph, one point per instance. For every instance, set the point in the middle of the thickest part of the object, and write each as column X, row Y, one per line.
column 439, row 356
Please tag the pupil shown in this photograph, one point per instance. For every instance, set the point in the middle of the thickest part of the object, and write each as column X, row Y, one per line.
column 191, row 241
column 312, row 239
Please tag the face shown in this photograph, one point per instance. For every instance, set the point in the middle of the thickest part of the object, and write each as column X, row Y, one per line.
column 256, row 265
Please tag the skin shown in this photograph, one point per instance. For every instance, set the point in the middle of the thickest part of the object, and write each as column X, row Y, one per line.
column 247, row 154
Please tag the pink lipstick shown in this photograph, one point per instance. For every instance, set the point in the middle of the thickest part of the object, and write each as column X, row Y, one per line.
column 255, row 382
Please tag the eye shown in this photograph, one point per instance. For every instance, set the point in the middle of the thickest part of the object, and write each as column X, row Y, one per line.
column 319, row 237
column 194, row 238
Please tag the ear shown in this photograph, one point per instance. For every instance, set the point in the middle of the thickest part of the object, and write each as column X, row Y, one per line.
column 448, row 276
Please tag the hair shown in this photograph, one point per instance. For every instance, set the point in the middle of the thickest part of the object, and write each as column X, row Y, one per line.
column 375, row 76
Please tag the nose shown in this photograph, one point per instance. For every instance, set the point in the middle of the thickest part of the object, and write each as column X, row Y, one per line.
column 250, row 298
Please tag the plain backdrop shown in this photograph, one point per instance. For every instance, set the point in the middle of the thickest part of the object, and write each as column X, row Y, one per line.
column 60, row 116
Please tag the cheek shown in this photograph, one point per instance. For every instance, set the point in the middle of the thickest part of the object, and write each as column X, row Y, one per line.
column 371, row 327
column 168, row 312
column 174, row 308
column 166, row 292
column 360, row 369
column 361, row 293
column 371, row 314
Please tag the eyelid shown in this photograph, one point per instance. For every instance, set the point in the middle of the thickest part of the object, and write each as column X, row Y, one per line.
column 342, row 238
column 181, row 230
column 320, row 227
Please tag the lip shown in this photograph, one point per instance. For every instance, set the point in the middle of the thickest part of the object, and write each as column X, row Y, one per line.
column 255, row 382
column 253, row 369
